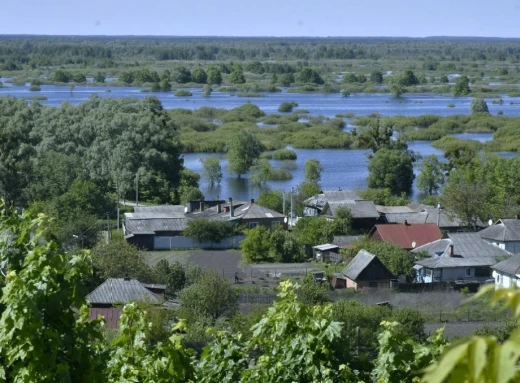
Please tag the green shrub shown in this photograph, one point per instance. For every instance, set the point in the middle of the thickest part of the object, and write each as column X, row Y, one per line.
column 183, row 93
column 287, row 106
column 285, row 154
column 35, row 88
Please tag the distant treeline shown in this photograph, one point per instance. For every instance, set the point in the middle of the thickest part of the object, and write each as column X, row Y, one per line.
column 18, row 52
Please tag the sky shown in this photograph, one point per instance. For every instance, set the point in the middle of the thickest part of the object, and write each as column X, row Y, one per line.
column 417, row 18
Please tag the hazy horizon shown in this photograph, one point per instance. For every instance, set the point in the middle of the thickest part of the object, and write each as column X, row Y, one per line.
column 234, row 18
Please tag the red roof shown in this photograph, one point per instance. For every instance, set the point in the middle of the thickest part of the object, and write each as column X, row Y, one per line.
column 111, row 315
column 404, row 235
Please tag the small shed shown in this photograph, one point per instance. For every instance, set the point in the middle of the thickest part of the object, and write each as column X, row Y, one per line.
column 326, row 252
column 366, row 270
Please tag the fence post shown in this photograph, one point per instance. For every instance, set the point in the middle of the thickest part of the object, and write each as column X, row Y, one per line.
column 357, row 341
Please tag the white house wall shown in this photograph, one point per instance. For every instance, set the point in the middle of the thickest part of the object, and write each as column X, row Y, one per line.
column 512, row 246
column 505, row 280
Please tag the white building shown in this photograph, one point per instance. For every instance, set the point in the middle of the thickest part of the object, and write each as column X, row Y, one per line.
column 505, row 234
column 507, row 273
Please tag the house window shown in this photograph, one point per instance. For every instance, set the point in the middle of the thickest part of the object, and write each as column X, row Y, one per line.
column 468, row 272
column 275, row 224
column 498, row 279
column 482, row 272
column 252, row 225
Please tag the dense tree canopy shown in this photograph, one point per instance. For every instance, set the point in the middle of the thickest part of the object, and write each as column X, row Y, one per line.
column 392, row 169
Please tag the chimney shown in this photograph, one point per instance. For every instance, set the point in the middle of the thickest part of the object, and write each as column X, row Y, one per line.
column 406, row 222
column 450, row 251
column 252, row 201
column 127, row 279
column 231, row 208
column 226, row 209
column 201, row 205
column 219, row 208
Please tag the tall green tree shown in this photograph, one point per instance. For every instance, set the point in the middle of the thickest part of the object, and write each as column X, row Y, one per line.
column 431, row 178
column 199, row 76
column 312, row 170
column 462, row 88
column 376, row 77
column 309, row 75
column 243, row 149
column 478, row 105
column 392, row 169
column 181, row 75
column 237, row 76
column 214, row 76
column 211, row 170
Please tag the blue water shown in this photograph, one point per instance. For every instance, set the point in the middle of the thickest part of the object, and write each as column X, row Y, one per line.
column 345, row 169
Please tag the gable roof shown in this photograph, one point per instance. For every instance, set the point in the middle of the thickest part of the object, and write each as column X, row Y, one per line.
column 120, row 290
column 419, row 213
column 405, row 235
column 241, row 210
column 503, row 230
column 345, row 240
column 151, row 219
column 356, row 269
column 509, row 266
column 469, row 249
column 334, row 199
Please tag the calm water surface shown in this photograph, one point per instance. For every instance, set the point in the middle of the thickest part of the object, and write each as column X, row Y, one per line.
column 345, row 169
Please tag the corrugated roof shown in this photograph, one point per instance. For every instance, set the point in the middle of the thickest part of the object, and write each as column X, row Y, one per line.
column 167, row 210
column 333, row 199
column 358, row 209
column 326, row 246
column 344, row 240
column 394, row 209
column 503, row 230
column 469, row 249
column 509, row 266
column 119, row 290
column 151, row 226
column 405, row 235
column 254, row 210
column 361, row 261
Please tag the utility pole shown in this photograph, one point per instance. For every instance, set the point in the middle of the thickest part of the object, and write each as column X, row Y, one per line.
column 283, row 201
column 137, row 189
column 292, row 214
column 108, row 228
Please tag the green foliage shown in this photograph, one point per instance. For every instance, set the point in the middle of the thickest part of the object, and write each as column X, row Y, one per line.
column 118, row 259
column 242, row 151
column 262, row 171
column 214, row 76
column 181, row 75
column 256, row 246
column 132, row 361
column 199, row 76
column 99, row 77
column 431, row 178
column 401, row 359
column 41, row 336
column 271, row 199
column 309, row 75
column 376, row 77
column 478, row 105
column 461, row 88
column 206, row 230
column 183, row 93
column 287, row 106
column 285, row 154
column 312, row 171
column 211, row 170
column 392, row 169
column 377, row 134
column 211, row 296
column 237, row 77
column 173, row 276
column 318, row 230
column 312, row 292
column 384, row 197
column 397, row 260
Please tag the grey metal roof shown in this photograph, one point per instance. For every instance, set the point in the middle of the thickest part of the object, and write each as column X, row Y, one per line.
column 333, row 199
column 509, row 266
column 166, row 210
column 358, row 264
column 358, row 209
column 503, row 230
column 324, row 247
column 394, row 209
column 343, row 240
column 254, row 210
column 419, row 214
column 119, row 290
column 153, row 225
column 242, row 210
column 469, row 249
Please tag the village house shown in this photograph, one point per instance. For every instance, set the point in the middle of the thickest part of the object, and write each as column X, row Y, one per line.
column 162, row 227
column 460, row 256
column 407, row 236
column 106, row 300
column 418, row 213
column 327, row 203
column 505, row 233
column 364, row 271
column 507, row 273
